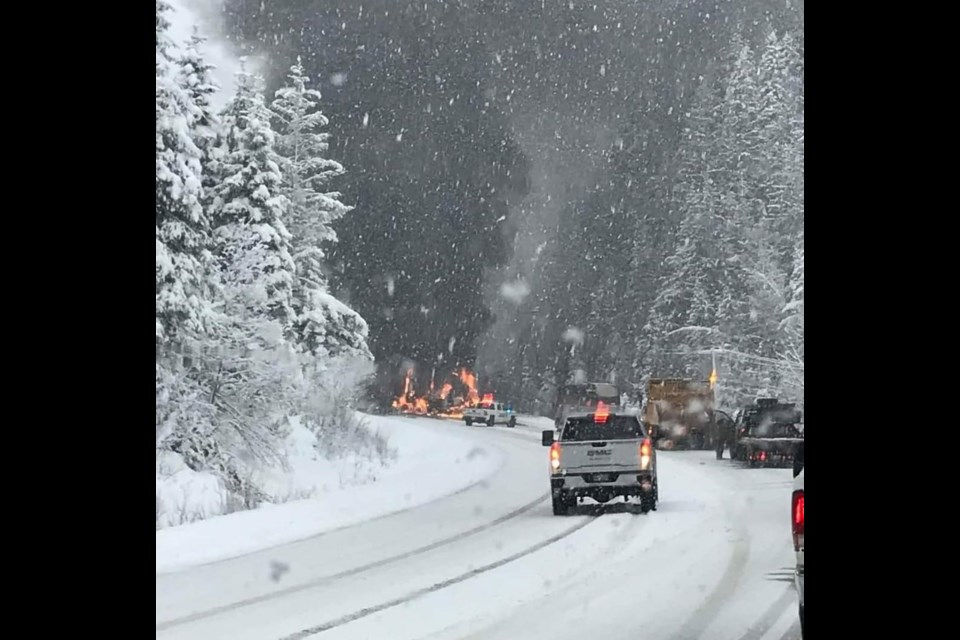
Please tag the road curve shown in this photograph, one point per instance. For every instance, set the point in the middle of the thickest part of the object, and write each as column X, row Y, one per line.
column 493, row 562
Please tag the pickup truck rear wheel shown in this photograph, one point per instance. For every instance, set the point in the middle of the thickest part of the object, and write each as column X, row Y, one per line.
column 469, row 421
column 560, row 504
column 513, row 422
column 492, row 420
column 647, row 503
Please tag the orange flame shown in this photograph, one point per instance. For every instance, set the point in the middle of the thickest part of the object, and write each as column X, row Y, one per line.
column 470, row 381
column 447, row 403
column 420, row 405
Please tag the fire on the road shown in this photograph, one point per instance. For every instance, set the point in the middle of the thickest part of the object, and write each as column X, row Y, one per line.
column 455, row 395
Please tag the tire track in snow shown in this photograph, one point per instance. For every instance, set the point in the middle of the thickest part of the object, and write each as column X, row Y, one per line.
column 327, row 626
column 793, row 633
column 770, row 616
column 480, row 626
column 472, row 485
column 702, row 617
column 176, row 622
column 725, row 588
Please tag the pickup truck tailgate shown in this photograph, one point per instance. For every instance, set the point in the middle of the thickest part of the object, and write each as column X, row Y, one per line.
column 600, row 454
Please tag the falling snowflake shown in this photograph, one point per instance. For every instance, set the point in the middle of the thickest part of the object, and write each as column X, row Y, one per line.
column 515, row 291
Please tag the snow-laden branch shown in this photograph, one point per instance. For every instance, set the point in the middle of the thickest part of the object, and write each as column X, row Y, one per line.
column 693, row 329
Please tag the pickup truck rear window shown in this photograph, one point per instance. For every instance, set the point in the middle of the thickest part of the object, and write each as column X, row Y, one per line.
column 615, row 428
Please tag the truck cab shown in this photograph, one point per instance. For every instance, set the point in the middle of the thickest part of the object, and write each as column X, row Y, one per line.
column 601, row 455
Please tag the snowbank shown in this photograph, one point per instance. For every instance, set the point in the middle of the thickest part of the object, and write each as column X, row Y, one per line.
column 537, row 423
column 184, row 495
column 432, row 460
column 309, row 474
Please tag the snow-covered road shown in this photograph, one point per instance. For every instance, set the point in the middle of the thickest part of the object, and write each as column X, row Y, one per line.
column 714, row 562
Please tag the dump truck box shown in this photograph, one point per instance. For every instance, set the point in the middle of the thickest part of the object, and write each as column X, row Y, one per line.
column 680, row 410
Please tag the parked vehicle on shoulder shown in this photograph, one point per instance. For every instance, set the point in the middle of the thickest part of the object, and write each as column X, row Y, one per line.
column 797, row 524
column 768, row 433
column 490, row 413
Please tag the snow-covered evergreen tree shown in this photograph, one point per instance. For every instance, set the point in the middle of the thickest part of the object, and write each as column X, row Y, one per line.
column 196, row 74
column 254, row 379
column 248, row 210
column 701, row 295
column 303, row 145
column 323, row 325
column 739, row 195
column 793, row 310
column 780, row 126
column 231, row 371
column 182, row 228
column 185, row 286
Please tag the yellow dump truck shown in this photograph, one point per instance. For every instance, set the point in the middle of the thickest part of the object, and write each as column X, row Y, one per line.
column 680, row 412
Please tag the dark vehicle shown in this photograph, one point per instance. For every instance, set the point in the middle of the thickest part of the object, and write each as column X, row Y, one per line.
column 768, row 433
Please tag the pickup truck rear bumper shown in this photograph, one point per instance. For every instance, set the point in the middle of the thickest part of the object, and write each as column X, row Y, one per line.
column 631, row 482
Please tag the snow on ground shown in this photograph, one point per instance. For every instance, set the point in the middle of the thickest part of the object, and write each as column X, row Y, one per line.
column 432, row 461
column 714, row 561
column 537, row 423
column 183, row 494
column 308, row 473
column 717, row 544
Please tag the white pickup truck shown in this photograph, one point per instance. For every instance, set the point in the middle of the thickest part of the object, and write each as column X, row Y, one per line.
column 602, row 456
column 796, row 517
column 490, row 414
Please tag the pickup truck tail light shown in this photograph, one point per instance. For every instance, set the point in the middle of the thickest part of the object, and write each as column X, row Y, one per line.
column 646, row 449
column 555, row 456
column 797, row 520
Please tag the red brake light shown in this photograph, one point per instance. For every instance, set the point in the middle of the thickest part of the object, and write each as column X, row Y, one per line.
column 600, row 415
column 555, row 456
column 798, row 519
column 645, row 448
